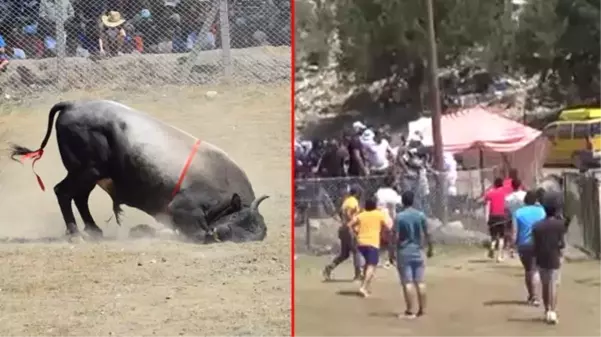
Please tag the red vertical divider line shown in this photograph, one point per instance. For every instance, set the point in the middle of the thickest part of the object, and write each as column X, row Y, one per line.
column 292, row 167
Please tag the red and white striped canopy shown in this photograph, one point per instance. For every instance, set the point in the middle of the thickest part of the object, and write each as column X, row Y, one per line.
column 479, row 128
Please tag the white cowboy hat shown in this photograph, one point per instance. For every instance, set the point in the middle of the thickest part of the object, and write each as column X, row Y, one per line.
column 112, row 19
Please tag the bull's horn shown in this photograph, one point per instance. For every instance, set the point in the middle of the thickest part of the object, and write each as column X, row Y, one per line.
column 254, row 206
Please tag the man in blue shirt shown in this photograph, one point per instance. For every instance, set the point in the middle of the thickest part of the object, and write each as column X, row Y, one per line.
column 410, row 232
column 524, row 219
column 3, row 54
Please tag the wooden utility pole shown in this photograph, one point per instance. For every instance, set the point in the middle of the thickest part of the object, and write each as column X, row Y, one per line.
column 434, row 91
column 440, row 191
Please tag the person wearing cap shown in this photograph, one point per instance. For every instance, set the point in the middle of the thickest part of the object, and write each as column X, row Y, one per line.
column 350, row 208
column 548, row 243
column 144, row 30
column 112, row 35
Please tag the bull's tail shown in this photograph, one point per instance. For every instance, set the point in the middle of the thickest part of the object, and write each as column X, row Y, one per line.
column 25, row 153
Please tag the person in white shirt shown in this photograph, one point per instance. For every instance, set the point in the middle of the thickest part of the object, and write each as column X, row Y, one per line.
column 377, row 151
column 388, row 200
column 450, row 167
column 513, row 201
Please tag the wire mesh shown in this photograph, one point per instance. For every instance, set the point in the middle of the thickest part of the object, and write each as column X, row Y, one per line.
column 78, row 44
column 318, row 200
column 581, row 195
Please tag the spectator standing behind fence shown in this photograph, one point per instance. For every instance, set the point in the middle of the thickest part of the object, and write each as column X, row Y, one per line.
column 357, row 166
column 3, row 54
column 332, row 161
column 112, row 34
column 415, row 178
column 369, row 224
column 377, row 150
column 348, row 247
column 53, row 11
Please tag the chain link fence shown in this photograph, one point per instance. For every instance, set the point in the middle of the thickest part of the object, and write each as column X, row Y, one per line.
column 582, row 204
column 61, row 45
column 318, row 200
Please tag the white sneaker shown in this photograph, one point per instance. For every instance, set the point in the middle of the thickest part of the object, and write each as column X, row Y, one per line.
column 551, row 317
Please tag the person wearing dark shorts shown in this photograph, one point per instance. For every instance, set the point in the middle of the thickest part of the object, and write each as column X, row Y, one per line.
column 410, row 232
column 348, row 248
column 369, row 224
column 547, row 245
column 497, row 218
column 524, row 219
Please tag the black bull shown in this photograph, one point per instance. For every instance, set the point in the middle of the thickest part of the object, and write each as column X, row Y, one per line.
column 141, row 162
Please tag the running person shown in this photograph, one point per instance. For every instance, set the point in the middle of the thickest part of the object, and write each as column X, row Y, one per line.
column 497, row 218
column 513, row 201
column 548, row 244
column 369, row 224
column 524, row 219
column 411, row 231
column 350, row 208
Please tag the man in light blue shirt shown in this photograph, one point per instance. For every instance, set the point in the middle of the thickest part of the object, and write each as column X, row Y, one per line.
column 524, row 219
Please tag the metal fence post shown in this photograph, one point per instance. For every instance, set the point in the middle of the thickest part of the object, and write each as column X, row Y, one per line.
column 226, row 54
column 186, row 68
column 307, row 221
column 61, row 74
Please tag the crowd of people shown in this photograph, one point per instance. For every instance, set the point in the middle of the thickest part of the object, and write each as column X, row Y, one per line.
column 105, row 27
column 529, row 222
column 364, row 151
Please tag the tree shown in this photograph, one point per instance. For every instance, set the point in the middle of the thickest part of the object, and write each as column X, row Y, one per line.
column 559, row 39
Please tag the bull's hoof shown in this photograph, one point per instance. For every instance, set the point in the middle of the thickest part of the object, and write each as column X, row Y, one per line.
column 74, row 237
column 142, row 231
column 93, row 234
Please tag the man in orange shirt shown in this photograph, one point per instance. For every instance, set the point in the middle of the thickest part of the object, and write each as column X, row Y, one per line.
column 368, row 225
column 350, row 208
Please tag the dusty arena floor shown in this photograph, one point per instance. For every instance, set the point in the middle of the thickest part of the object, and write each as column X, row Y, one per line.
column 468, row 295
column 151, row 286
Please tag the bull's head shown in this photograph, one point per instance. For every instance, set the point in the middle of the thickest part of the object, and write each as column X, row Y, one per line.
column 241, row 223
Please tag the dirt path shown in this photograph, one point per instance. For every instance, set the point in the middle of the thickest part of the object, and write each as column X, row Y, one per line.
column 468, row 294
column 146, row 287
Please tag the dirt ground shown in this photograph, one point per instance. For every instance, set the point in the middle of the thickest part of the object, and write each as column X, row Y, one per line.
column 123, row 286
column 468, row 295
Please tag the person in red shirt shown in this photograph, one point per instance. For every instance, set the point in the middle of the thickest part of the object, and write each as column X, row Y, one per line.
column 497, row 218
column 513, row 175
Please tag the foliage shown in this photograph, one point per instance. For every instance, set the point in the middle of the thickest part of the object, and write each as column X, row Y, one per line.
column 557, row 39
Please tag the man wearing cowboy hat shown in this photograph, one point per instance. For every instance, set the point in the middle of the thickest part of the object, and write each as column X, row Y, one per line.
column 112, row 36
